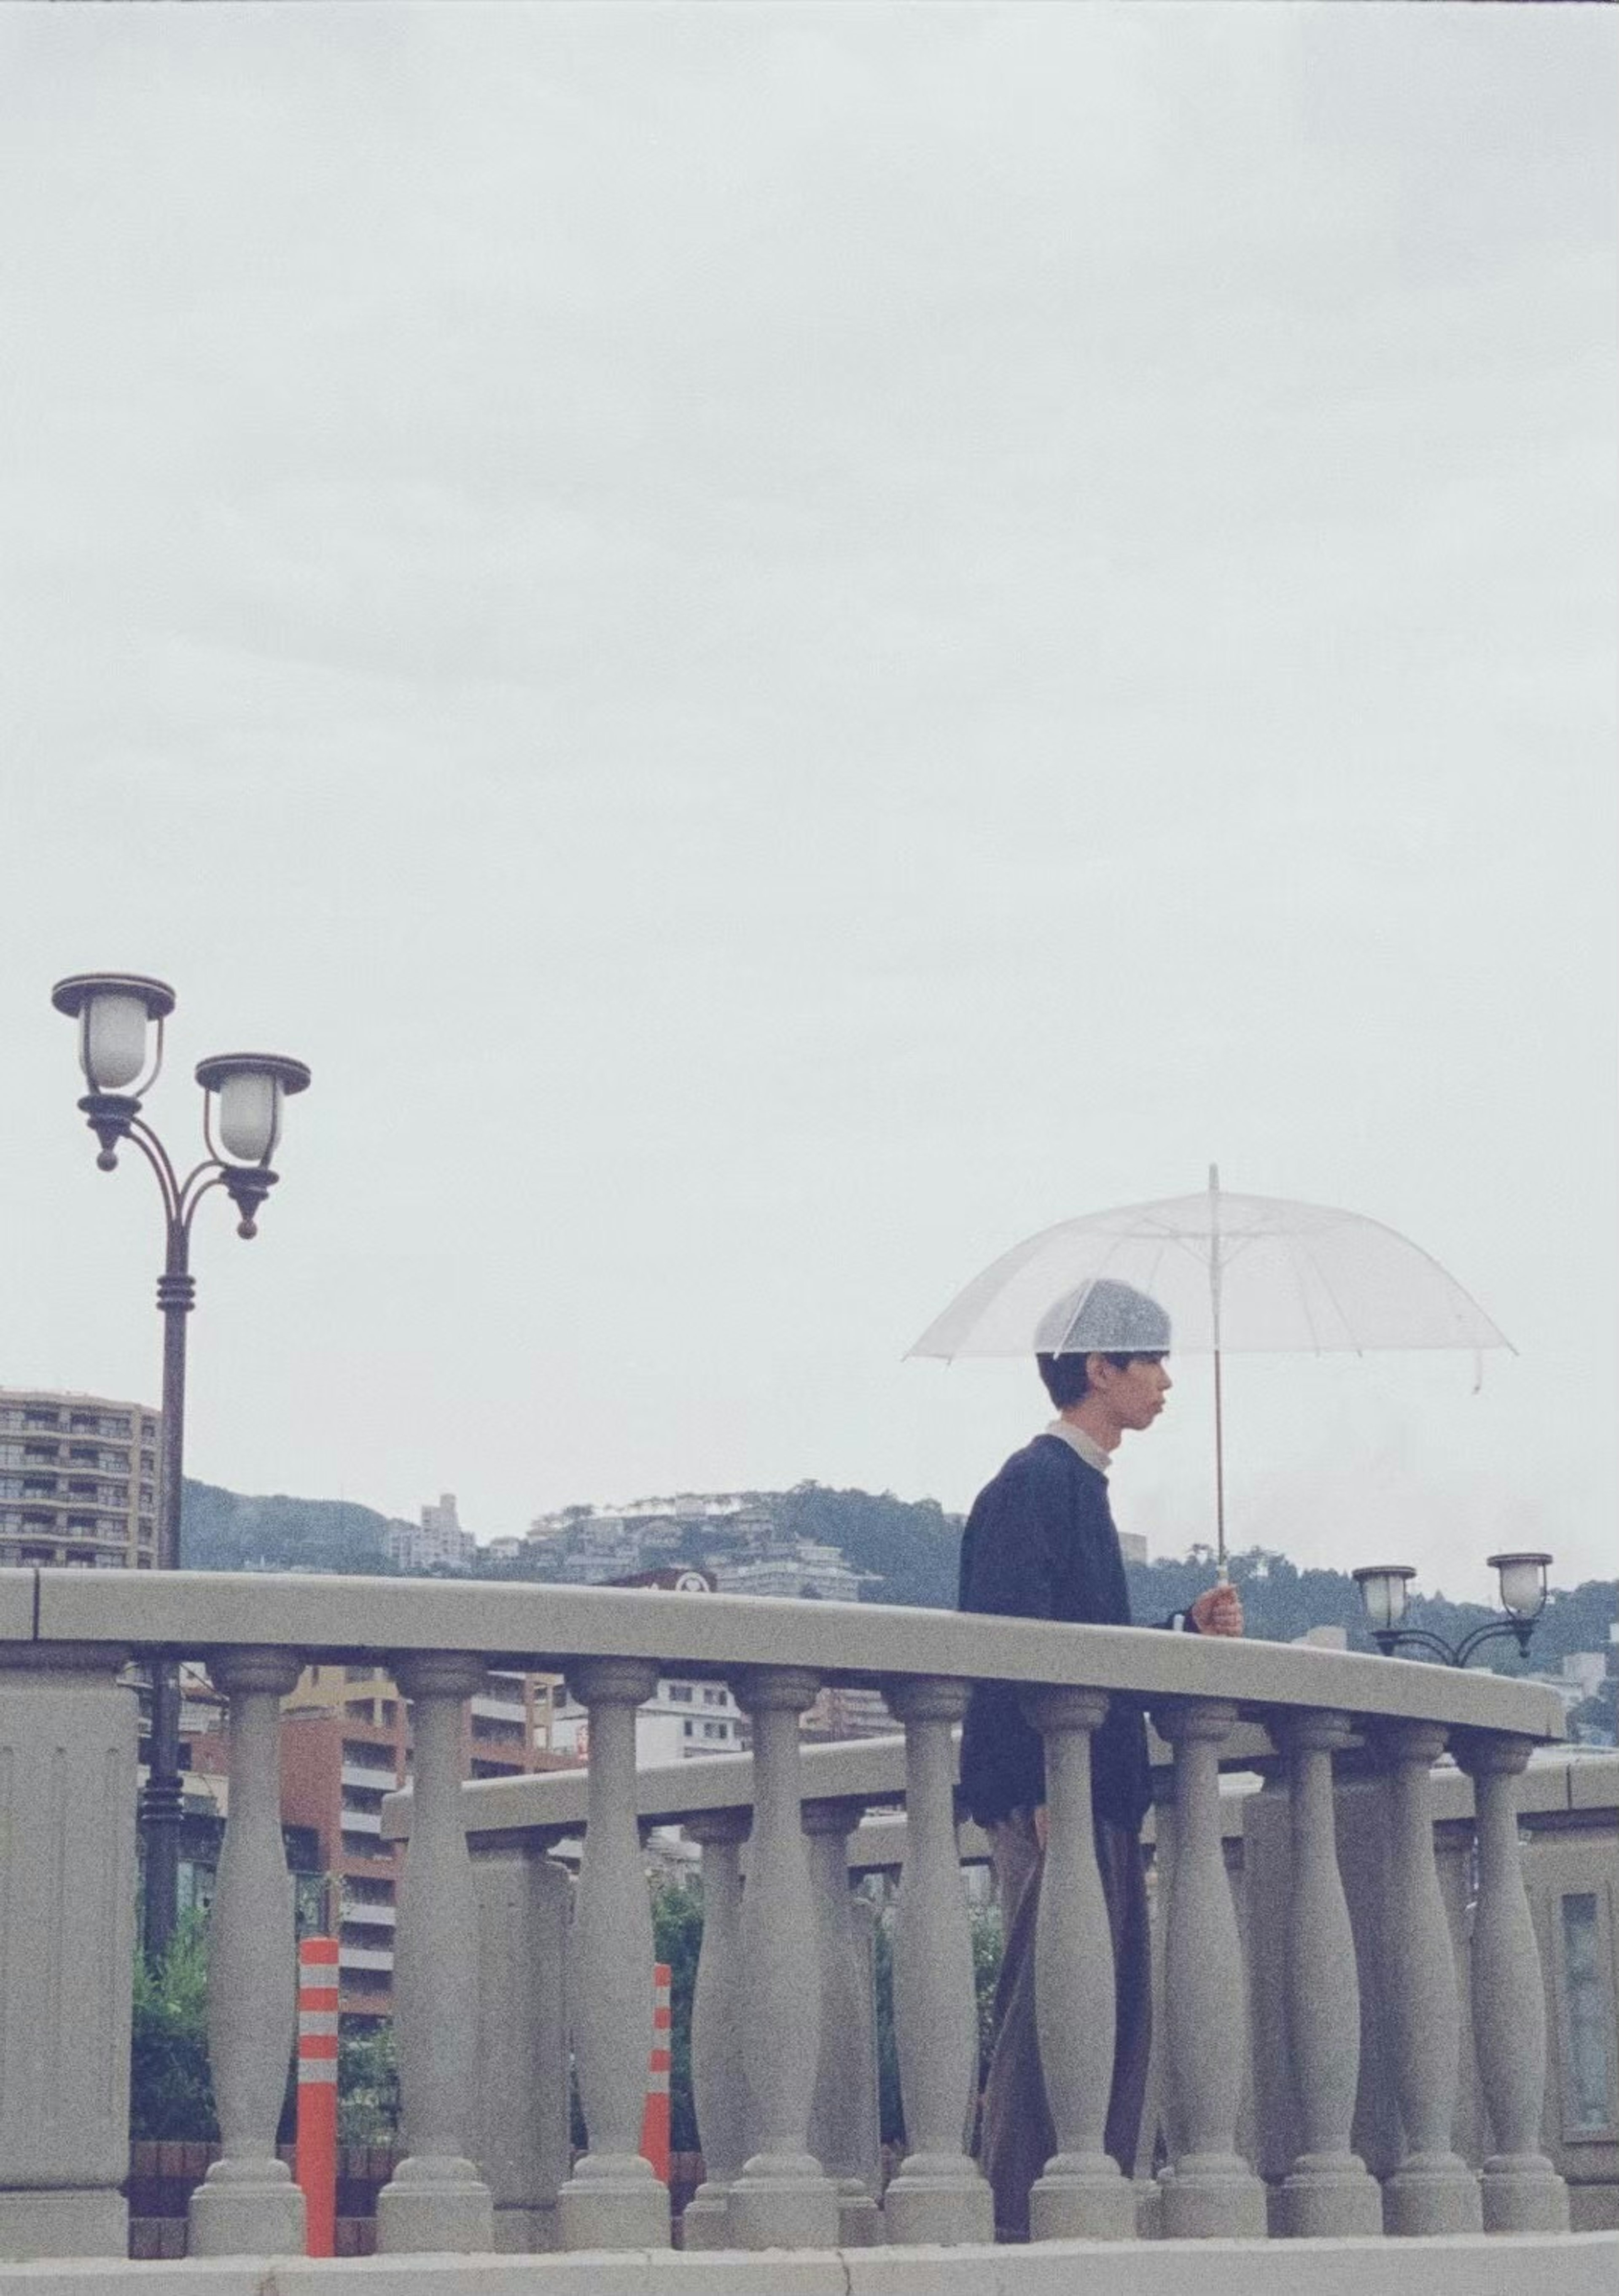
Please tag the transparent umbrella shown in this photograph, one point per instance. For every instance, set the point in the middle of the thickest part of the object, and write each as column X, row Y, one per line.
column 1236, row 1274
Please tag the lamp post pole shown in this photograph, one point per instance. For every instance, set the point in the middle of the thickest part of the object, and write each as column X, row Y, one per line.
column 162, row 1802
column 115, row 1013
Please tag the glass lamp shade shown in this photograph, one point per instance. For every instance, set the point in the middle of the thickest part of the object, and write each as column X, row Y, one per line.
column 111, row 1041
column 252, row 1088
column 1382, row 1587
column 113, row 1011
column 1523, row 1583
column 249, row 1116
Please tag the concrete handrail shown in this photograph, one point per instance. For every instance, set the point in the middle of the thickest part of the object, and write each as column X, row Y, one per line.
column 546, row 1629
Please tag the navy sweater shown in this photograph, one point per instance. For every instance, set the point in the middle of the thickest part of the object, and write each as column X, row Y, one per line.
column 1040, row 1543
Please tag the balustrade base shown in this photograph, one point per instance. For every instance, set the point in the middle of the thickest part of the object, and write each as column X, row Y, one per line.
column 614, row 2201
column 703, row 2224
column 1082, row 2196
column 246, row 2208
column 1214, row 2196
column 781, row 2200
column 1327, row 2196
column 434, row 2204
column 1430, row 2195
column 64, row 2222
column 520, row 2231
column 860, row 2220
column 1523, row 2193
column 938, row 2201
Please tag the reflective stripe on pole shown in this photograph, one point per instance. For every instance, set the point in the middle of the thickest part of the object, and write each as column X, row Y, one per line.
column 654, row 2119
column 317, row 2090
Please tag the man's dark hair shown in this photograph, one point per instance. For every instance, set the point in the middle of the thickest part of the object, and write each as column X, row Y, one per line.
column 1067, row 1378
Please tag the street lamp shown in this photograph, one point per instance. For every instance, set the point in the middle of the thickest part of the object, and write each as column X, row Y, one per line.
column 1523, row 1593
column 121, row 1018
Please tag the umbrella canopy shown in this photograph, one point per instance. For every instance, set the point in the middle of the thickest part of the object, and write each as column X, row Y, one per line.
column 1235, row 1275
column 1232, row 1274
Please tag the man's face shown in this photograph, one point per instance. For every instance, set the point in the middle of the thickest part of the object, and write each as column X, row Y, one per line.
column 1134, row 1395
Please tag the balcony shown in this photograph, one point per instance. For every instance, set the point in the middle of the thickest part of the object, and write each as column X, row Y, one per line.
column 364, row 1957
column 510, row 1711
column 368, row 1778
column 1292, row 2194
column 369, row 1913
column 361, row 1821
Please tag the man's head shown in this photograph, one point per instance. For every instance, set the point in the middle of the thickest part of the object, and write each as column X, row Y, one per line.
column 1106, row 1340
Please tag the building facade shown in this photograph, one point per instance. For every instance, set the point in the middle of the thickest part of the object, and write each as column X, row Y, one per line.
column 436, row 1541
column 346, row 1743
column 78, row 1481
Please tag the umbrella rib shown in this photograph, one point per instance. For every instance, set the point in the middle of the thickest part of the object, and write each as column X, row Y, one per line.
column 1304, row 1302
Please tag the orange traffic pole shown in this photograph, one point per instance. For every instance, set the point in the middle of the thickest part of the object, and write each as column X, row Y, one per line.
column 654, row 2119
column 317, row 2091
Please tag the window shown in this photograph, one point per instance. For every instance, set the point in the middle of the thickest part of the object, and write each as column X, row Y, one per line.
column 681, row 1692
column 1588, row 2069
column 688, row 1729
column 713, row 1695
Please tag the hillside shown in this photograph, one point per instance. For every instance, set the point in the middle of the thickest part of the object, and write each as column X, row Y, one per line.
column 911, row 1546
column 223, row 1530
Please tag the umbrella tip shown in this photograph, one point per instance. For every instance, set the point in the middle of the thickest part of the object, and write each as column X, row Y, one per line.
column 1214, row 1178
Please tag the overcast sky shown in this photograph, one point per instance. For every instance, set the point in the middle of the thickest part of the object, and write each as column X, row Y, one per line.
column 788, row 643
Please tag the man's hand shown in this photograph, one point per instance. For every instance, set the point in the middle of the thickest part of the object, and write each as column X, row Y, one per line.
column 1219, row 1611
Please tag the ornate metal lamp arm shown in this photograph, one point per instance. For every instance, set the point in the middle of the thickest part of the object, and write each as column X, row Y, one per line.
column 1391, row 1639
column 1493, row 1630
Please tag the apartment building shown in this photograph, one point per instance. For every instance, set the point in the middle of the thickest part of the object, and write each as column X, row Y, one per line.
column 346, row 1743
column 437, row 1542
column 78, row 1479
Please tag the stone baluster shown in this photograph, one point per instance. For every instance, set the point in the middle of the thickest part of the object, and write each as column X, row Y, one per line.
column 940, row 2195
column 613, row 2200
column 436, row 2201
column 67, row 1945
column 248, row 2205
column 1082, row 2193
column 781, row 2199
column 842, row 2128
column 1328, row 2193
column 1211, row 2192
column 1432, row 2190
column 718, row 2067
column 1522, row 2192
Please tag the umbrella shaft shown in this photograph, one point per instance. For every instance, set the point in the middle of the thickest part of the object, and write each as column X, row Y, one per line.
column 1219, row 1477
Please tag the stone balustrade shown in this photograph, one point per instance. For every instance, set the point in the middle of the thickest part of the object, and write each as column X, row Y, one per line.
column 492, row 1981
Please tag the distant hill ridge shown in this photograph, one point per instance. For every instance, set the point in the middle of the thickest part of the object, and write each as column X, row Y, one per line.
column 911, row 1545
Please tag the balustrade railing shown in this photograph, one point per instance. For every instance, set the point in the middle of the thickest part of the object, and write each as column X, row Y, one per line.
column 490, row 2001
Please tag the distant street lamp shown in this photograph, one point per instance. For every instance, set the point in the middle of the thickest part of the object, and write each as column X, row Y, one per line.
column 115, row 1013
column 1522, row 1591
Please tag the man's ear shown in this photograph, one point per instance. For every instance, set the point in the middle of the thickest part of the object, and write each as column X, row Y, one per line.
column 1098, row 1371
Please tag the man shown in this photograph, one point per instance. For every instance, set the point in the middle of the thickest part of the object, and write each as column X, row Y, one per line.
column 1040, row 1543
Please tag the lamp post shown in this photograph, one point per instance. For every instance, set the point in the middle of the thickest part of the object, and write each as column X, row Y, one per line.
column 1522, row 1591
column 117, row 1012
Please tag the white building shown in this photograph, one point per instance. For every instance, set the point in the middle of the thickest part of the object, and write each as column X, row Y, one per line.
column 796, row 1567
column 438, row 1539
column 680, row 1721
